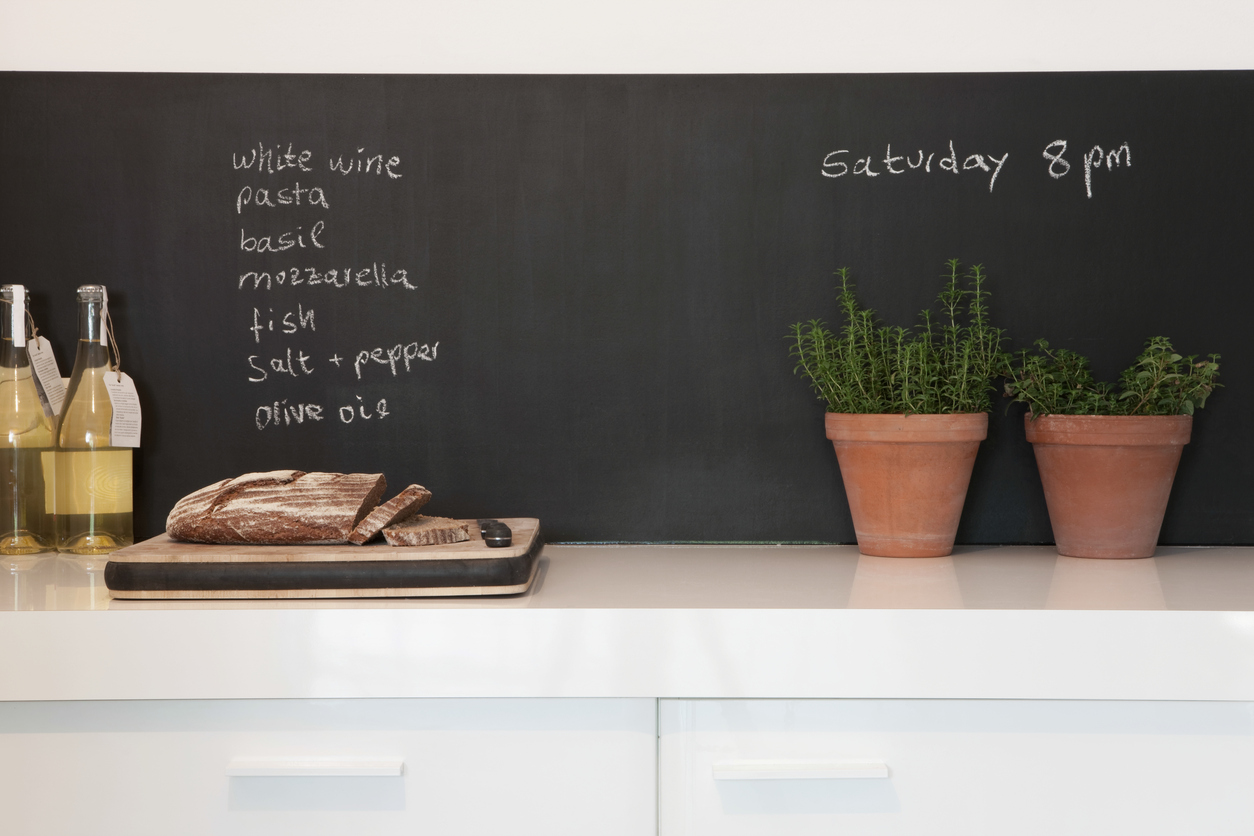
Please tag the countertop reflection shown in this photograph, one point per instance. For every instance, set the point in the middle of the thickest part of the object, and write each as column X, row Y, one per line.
column 52, row 582
column 756, row 577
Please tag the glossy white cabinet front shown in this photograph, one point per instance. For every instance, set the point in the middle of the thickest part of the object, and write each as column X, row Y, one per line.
column 960, row 767
column 470, row 766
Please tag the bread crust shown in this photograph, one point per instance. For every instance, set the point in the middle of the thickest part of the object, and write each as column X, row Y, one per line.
column 397, row 509
column 278, row 507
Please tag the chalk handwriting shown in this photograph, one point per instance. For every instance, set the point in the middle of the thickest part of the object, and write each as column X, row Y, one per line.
column 1094, row 159
column 838, row 164
column 289, row 196
column 347, row 414
column 283, row 415
column 297, row 366
column 390, row 357
column 269, row 160
column 361, row 163
column 266, row 243
column 1058, row 167
column 291, row 322
column 376, row 275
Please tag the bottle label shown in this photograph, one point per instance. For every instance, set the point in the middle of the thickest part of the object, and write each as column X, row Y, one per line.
column 124, row 430
column 17, row 310
column 91, row 481
column 47, row 376
column 104, row 317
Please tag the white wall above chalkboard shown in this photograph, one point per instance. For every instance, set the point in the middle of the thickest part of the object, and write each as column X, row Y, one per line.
column 641, row 36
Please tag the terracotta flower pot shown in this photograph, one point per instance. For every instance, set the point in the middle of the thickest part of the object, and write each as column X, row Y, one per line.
column 1107, row 478
column 906, row 477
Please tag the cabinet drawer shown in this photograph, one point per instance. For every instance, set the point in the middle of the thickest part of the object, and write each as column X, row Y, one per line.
column 969, row 767
column 308, row 767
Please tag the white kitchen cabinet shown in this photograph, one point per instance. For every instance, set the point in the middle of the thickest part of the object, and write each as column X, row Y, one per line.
column 1003, row 690
column 470, row 766
column 960, row 767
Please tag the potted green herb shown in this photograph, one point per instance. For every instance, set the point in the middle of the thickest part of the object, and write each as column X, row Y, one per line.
column 907, row 410
column 1108, row 457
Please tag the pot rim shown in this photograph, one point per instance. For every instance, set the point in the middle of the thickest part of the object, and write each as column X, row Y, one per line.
column 1109, row 430
column 904, row 428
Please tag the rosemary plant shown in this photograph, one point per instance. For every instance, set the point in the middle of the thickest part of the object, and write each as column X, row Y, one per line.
column 946, row 364
column 1159, row 382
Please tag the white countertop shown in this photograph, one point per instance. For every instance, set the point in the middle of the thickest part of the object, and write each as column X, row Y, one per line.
column 669, row 621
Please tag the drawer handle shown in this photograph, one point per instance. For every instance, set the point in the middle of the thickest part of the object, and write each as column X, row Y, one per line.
column 797, row 770
column 315, row 767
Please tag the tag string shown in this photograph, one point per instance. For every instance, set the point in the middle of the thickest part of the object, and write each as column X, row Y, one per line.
column 116, row 365
column 30, row 320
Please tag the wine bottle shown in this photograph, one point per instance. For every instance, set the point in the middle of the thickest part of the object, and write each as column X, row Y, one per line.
column 93, row 478
column 26, row 522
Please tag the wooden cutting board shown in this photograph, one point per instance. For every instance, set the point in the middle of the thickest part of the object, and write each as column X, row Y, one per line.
column 162, row 568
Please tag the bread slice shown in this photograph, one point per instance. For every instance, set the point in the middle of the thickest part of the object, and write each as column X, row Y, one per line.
column 397, row 509
column 427, row 531
column 278, row 507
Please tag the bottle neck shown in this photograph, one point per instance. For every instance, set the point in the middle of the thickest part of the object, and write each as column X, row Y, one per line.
column 13, row 312
column 7, row 313
column 10, row 354
column 90, row 320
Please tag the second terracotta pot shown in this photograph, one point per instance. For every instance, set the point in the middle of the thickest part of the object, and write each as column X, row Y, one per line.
column 1107, row 478
column 906, row 478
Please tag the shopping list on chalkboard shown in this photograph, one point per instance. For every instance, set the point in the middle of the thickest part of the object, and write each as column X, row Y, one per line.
column 295, row 269
column 566, row 297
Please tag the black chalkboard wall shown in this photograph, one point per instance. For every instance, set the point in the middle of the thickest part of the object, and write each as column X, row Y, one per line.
column 567, row 295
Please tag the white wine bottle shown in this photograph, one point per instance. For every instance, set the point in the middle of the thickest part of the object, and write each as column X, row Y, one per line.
column 26, row 522
column 93, row 481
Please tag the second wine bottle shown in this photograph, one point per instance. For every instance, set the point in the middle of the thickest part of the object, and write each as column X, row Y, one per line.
column 93, row 482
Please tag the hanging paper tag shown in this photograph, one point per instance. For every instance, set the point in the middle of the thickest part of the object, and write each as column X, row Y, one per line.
column 17, row 325
column 104, row 325
column 124, row 431
column 47, row 376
